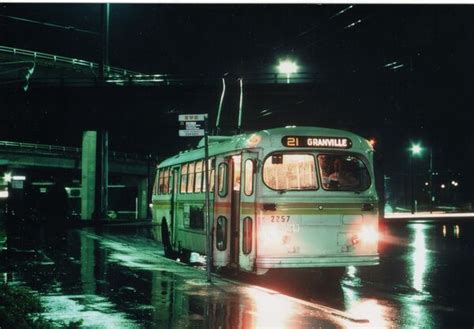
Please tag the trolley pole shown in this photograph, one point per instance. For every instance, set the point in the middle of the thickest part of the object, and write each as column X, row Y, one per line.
column 208, row 207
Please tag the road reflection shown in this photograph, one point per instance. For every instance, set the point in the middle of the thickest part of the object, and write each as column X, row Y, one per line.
column 271, row 310
column 120, row 278
column 419, row 257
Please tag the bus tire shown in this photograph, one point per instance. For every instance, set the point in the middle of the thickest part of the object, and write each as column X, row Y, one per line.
column 165, row 238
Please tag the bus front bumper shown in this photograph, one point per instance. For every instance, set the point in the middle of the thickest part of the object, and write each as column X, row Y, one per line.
column 319, row 261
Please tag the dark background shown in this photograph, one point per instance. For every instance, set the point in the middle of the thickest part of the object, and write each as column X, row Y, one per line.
column 346, row 48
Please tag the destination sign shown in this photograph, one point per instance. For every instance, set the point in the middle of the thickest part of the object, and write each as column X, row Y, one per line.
column 317, row 142
column 192, row 125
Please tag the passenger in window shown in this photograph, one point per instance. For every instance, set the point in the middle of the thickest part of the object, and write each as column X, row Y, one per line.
column 341, row 177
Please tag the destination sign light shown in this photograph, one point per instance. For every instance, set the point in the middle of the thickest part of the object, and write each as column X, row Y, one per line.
column 317, row 142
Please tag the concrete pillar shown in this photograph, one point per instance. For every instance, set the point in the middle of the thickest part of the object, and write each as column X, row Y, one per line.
column 94, row 176
column 88, row 177
column 143, row 199
column 101, row 176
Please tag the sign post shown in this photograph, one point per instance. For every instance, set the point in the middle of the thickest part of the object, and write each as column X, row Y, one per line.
column 195, row 125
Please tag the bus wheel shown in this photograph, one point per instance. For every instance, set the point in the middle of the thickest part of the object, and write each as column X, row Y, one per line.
column 165, row 238
column 185, row 255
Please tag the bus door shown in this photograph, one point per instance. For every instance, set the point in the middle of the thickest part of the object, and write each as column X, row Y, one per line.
column 247, row 213
column 222, row 212
column 236, row 161
column 174, row 185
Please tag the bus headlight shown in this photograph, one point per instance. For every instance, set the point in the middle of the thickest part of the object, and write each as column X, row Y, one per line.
column 369, row 234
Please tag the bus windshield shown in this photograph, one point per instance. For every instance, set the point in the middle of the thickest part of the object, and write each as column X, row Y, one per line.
column 292, row 171
column 297, row 171
column 343, row 172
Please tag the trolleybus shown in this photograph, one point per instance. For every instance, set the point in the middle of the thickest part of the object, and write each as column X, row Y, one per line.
column 283, row 198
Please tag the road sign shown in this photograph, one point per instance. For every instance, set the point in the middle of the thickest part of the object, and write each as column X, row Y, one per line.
column 192, row 125
column 191, row 133
column 192, row 117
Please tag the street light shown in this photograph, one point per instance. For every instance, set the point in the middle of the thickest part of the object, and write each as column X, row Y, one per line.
column 287, row 67
column 416, row 150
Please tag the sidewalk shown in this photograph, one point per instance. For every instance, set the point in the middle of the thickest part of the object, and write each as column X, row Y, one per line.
column 428, row 215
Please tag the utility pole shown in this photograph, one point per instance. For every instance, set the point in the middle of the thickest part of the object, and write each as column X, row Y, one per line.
column 431, row 180
column 104, row 59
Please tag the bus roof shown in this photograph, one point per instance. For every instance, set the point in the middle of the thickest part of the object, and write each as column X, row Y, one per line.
column 266, row 139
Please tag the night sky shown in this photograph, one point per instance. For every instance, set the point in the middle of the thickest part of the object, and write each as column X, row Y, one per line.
column 346, row 48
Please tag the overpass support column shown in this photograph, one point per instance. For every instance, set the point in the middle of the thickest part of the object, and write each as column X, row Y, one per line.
column 94, row 178
column 143, row 199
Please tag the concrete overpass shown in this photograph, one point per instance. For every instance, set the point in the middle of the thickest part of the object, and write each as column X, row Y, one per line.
column 133, row 170
column 21, row 155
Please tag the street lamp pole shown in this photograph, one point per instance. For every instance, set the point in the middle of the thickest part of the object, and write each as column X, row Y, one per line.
column 416, row 150
column 431, row 180
column 412, row 186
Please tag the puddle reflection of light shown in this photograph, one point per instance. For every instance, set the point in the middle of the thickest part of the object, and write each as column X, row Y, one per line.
column 444, row 230
column 351, row 271
column 419, row 258
column 457, row 231
column 369, row 309
column 272, row 310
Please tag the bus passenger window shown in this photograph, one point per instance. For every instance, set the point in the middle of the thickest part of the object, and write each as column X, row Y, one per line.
column 248, row 181
column 198, row 179
column 211, row 164
column 222, row 179
column 236, row 159
column 190, row 177
column 221, row 233
column 211, row 179
column 166, row 181
column 160, row 186
column 184, row 177
column 157, row 183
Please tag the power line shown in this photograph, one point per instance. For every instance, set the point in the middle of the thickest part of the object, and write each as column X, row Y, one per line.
column 62, row 27
column 315, row 27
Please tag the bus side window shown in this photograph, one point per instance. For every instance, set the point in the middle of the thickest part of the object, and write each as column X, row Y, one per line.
column 190, row 177
column 184, row 177
column 248, row 178
column 198, row 179
column 157, row 182
column 160, row 188
column 211, row 164
column 222, row 179
column 166, row 181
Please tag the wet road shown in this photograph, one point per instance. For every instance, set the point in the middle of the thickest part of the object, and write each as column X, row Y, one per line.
column 425, row 278
column 116, row 277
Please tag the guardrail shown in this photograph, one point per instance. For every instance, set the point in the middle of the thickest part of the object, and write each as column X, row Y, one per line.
column 121, row 77
column 75, row 151
column 74, row 62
